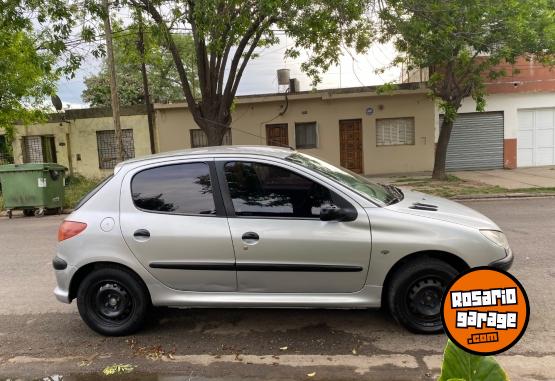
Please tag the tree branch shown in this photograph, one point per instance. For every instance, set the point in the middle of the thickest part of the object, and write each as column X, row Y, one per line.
column 147, row 6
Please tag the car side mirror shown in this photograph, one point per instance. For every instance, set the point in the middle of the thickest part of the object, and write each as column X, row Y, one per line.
column 334, row 213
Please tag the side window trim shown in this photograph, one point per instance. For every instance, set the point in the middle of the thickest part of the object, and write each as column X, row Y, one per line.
column 228, row 203
column 216, row 190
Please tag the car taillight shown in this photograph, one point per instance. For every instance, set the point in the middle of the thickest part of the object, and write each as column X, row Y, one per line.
column 70, row 229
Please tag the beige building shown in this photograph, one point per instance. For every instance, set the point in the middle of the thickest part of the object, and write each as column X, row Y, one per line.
column 82, row 140
column 355, row 127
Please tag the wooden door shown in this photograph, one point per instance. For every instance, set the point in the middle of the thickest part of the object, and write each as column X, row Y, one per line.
column 277, row 135
column 350, row 143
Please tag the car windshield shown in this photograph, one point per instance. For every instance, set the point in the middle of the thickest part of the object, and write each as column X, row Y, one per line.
column 347, row 178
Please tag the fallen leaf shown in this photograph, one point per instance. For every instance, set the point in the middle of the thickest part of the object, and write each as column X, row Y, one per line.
column 311, row 374
column 283, row 348
column 117, row 369
column 354, row 351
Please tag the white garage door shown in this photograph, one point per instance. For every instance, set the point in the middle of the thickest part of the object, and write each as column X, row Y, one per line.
column 536, row 137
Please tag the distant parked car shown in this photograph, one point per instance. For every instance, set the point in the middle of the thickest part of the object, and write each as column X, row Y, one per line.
column 263, row 227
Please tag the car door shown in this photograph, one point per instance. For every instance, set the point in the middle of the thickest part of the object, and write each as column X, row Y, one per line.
column 281, row 244
column 172, row 219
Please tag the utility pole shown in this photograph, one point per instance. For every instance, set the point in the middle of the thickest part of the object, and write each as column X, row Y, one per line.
column 113, row 81
column 141, row 47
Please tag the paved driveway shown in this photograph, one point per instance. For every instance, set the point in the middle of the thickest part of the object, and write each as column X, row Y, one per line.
column 534, row 177
column 40, row 337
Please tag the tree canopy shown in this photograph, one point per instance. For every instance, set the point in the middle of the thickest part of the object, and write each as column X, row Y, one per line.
column 462, row 42
column 162, row 75
column 226, row 34
column 33, row 56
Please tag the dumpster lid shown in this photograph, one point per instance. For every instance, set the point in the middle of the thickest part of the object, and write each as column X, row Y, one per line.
column 32, row 167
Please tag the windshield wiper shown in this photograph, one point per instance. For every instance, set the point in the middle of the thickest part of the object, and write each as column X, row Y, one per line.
column 396, row 193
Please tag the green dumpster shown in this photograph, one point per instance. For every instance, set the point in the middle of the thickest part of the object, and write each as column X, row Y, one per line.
column 33, row 188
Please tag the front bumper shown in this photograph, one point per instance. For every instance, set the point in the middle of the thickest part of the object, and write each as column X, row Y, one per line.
column 505, row 263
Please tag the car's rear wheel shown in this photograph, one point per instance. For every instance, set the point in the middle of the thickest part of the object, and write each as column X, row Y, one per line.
column 112, row 301
column 415, row 293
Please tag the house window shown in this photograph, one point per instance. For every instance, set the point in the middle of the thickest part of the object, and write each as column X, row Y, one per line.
column 5, row 157
column 394, row 131
column 107, row 148
column 306, row 135
column 39, row 149
column 199, row 138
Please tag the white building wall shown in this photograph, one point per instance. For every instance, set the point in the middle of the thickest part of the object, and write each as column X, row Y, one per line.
column 510, row 104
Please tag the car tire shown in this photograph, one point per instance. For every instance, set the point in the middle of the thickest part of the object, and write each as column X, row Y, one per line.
column 113, row 301
column 415, row 294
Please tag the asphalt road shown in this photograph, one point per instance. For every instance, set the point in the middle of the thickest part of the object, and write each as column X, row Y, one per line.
column 40, row 337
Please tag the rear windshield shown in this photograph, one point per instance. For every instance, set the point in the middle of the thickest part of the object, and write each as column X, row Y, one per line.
column 88, row 196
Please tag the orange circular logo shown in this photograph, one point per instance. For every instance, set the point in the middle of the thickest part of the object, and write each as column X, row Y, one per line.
column 485, row 311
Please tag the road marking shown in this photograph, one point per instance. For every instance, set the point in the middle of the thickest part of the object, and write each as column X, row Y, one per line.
column 361, row 364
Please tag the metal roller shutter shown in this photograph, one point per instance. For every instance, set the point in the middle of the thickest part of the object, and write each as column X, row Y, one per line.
column 476, row 141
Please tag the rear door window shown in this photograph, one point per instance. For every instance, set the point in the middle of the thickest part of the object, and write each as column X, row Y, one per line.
column 175, row 189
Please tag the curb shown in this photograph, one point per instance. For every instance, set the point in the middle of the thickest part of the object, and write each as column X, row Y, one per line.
column 501, row 196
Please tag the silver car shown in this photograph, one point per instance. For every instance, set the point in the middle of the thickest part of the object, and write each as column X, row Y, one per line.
column 263, row 227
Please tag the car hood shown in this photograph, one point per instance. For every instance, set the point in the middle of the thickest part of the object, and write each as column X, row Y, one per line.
column 423, row 205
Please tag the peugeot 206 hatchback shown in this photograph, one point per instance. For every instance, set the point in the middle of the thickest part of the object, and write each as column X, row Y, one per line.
column 263, row 227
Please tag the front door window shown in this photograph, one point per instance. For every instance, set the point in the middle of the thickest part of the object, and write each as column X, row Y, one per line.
column 263, row 190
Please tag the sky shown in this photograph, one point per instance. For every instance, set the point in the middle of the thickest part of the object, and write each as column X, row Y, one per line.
column 260, row 75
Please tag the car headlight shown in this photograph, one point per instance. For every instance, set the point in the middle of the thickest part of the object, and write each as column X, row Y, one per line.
column 496, row 237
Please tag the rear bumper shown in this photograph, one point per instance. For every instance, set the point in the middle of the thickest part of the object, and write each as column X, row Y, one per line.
column 505, row 263
column 63, row 273
column 62, row 295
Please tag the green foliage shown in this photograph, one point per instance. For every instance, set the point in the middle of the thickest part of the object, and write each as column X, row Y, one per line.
column 463, row 366
column 387, row 88
column 162, row 76
column 78, row 186
column 33, row 56
column 462, row 41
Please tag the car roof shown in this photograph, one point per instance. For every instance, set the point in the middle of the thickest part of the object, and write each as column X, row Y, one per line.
column 279, row 152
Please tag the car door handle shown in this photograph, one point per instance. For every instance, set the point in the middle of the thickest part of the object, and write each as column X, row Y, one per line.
column 250, row 237
column 141, row 234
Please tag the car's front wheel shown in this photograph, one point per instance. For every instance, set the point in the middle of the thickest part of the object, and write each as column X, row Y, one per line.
column 415, row 294
column 112, row 301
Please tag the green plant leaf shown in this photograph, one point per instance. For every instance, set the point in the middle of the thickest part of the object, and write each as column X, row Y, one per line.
column 459, row 365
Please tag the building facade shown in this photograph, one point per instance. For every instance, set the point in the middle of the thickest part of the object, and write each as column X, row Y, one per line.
column 517, row 128
column 356, row 128
column 82, row 140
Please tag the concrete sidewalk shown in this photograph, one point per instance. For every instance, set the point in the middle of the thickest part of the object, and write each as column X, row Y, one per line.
column 533, row 177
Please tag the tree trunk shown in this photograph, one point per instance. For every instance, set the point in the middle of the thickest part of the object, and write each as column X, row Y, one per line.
column 215, row 131
column 441, row 150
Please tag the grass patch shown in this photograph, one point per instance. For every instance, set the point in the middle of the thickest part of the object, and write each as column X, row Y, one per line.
column 456, row 187
column 78, row 187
